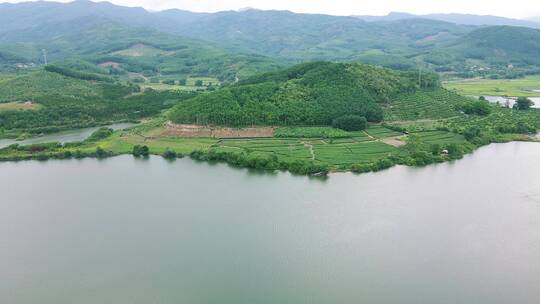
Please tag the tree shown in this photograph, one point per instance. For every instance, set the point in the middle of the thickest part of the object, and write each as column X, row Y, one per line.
column 100, row 152
column 199, row 83
column 140, row 151
column 350, row 123
column 169, row 154
column 481, row 108
column 523, row 103
column 471, row 133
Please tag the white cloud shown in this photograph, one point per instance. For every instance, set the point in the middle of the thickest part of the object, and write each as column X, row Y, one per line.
column 514, row 8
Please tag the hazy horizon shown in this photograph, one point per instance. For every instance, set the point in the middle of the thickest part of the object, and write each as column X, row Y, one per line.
column 519, row 9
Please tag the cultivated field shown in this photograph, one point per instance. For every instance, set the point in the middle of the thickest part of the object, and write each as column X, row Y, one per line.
column 528, row 86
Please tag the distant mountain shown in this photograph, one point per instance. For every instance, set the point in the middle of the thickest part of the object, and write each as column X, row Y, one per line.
column 465, row 19
column 111, row 35
column 445, row 43
column 303, row 37
column 51, row 18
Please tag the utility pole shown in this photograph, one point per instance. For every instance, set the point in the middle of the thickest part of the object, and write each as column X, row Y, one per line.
column 44, row 52
column 420, row 76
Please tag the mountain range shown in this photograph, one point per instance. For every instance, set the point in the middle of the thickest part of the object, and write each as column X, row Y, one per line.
column 235, row 44
column 466, row 19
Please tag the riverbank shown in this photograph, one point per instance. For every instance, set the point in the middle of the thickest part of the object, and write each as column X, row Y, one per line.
column 371, row 150
column 66, row 136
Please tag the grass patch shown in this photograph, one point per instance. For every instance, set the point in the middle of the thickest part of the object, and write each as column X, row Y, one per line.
column 310, row 132
column 497, row 87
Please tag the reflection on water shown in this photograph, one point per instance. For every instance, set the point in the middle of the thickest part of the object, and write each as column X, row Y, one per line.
column 62, row 137
column 510, row 101
column 125, row 230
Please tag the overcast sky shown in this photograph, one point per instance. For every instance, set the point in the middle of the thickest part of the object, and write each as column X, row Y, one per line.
column 506, row 8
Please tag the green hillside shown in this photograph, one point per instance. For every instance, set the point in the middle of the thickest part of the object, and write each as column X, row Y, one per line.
column 123, row 51
column 498, row 51
column 307, row 94
column 57, row 102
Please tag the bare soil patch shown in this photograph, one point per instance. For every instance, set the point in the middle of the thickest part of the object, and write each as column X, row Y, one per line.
column 110, row 64
column 176, row 130
column 19, row 105
column 394, row 141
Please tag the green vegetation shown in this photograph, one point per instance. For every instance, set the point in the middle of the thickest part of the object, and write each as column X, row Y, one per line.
column 422, row 124
column 60, row 102
column 109, row 49
column 307, row 94
column 424, row 104
column 235, row 44
column 523, row 103
column 480, row 107
column 140, row 151
column 350, row 123
column 310, row 132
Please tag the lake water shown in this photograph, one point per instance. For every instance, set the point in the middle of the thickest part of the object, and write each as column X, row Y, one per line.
column 62, row 137
column 511, row 100
column 125, row 230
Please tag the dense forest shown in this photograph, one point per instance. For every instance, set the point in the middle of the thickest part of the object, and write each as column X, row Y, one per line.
column 306, row 94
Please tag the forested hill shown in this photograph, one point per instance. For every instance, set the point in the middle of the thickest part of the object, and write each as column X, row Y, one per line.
column 144, row 52
column 306, row 94
column 228, row 44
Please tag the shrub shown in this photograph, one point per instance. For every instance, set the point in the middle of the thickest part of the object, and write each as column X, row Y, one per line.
column 350, row 123
column 100, row 152
column 523, row 103
column 169, row 154
column 479, row 107
column 100, row 133
column 140, row 151
column 471, row 133
column 362, row 168
column 306, row 168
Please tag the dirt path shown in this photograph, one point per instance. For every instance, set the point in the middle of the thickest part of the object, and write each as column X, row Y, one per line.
column 370, row 136
column 311, row 150
column 392, row 141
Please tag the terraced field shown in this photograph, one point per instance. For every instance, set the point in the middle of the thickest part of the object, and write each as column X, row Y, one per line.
column 379, row 132
column 431, row 104
column 352, row 153
column 440, row 137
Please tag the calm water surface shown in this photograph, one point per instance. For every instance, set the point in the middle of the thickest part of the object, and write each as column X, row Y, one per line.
column 510, row 101
column 133, row 231
column 62, row 137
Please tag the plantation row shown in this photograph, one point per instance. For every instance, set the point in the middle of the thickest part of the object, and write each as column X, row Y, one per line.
column 425, row 104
